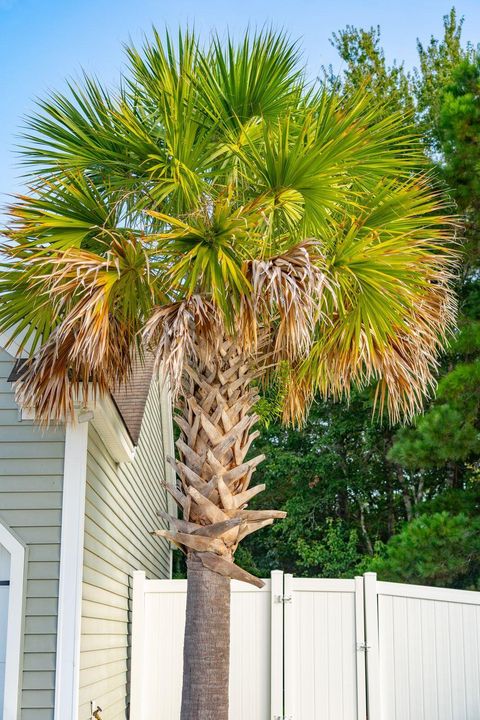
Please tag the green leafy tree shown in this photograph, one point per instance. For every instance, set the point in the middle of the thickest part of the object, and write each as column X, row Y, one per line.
column 334, row 469
column 437, row 549
column 448, row 434
column 458, row 136
column 366, row 67
column 436, row 62
column 331, row 556
column 442, row 450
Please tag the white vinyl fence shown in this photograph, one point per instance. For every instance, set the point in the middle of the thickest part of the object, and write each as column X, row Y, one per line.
column 316, row 649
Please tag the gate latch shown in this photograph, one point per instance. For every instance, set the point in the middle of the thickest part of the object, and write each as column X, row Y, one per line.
column 283, row 599
column 363, row 646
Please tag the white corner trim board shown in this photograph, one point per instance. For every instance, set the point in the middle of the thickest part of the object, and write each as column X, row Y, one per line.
column 71, row 570
column 168, row 450
column 168, row 440
column 14, row 622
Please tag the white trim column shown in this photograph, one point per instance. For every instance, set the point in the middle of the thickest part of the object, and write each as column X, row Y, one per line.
column 71, row 571
column 166, row 420
column 15, row 548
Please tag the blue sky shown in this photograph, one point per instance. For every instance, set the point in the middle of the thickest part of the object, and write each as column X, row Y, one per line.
column 44, row 41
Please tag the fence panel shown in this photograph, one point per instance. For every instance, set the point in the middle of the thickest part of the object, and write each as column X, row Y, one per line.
column 323, row 663
column 157, row 653
column 429, row 653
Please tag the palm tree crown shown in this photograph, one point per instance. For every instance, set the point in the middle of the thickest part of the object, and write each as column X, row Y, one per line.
column 216, row 194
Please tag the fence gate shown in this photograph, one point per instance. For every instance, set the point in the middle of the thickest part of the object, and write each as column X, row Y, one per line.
column 324, row 649
column 425, row 659
column 315, row 649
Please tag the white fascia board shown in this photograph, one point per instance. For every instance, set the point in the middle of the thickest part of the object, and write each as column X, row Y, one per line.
column 108, row 423
column 111, row 428
column 16, row 605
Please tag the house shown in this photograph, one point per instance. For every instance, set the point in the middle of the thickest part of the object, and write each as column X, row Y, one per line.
column 77, row 504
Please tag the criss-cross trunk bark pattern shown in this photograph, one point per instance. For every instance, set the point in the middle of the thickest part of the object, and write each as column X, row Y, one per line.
column 214, row 487
column 215, row 419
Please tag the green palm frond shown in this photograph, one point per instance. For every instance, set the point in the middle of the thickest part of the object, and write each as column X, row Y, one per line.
column 306, row 165
column 207, row 253
column 392, row 306
column 75, row 132
column 216, row 180
column 260, row 77
column 68, row 211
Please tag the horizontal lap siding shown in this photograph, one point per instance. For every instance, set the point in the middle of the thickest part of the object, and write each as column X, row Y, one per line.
column 120, row 513
column 31, row 477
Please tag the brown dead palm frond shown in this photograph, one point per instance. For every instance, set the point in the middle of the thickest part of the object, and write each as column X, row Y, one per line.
column 286, row 300
column 95, row 336
column 181, row 332
column 58, row 378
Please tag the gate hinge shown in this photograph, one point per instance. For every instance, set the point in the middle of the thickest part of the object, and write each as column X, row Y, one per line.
column 363, row 646
column 283, row 599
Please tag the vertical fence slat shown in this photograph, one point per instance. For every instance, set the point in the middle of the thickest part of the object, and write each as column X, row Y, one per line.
column 138, row 644
column 289, row 665
column 276, row 667
column 371, row 635
column 361, row 649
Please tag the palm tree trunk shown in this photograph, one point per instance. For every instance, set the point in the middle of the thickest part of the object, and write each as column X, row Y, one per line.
column 207, row 644
column 215, row 417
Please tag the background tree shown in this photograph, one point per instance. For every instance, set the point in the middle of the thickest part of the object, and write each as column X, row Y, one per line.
column 366, row 67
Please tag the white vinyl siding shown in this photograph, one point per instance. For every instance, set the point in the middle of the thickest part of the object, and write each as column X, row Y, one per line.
column 121, row 501
column 31, row 475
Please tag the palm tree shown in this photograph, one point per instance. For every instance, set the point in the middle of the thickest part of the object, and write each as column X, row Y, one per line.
column 224, row 214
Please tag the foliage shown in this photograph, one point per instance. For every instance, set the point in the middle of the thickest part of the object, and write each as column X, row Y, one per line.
column 218, row 189
column 448, row 431
column 447, row 435
column 438, row 549
column 437, row 60
column 334, row 470
column 366, row 67
column 396, row 474
column 331, row 556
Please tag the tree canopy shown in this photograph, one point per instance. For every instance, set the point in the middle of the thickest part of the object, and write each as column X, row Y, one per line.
column 219, row 187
